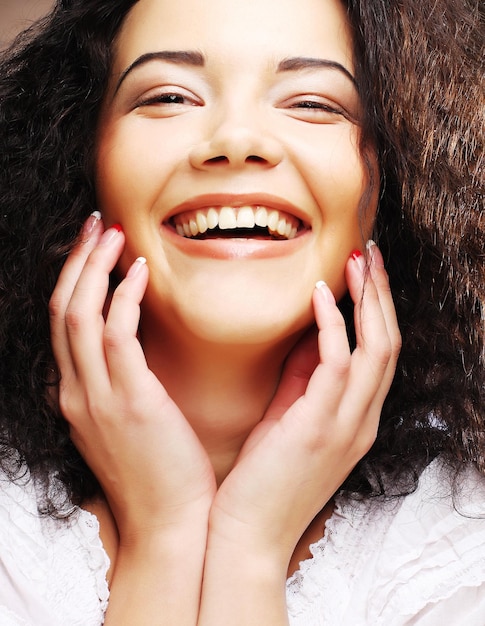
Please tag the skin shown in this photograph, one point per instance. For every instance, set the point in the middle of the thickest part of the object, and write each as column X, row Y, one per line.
column 237, row 358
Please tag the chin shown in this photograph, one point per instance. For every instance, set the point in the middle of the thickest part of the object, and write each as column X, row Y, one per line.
column 258, row 326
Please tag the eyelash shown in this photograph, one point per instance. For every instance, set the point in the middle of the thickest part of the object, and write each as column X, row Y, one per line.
column 309, row 108
column 167, row 98
column 313, row 105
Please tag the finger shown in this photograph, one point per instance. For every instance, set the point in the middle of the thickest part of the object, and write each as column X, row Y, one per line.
column 84, row 315
column 65, row 285
column 124, row 354
column 374, row 359
column 329, row 380
column 381, row 281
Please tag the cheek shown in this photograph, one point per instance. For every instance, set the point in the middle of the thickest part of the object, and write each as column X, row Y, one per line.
column 342, row 186
column 130, row 169
column 114, row 177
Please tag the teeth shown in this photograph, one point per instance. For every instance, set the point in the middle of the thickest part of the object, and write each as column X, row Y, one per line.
column 194, row 229
column 245, row 218
column 227, row 218
column 281, row 228
column 212, row 218
column 273, row 219
column 201, row 222
column 191, row 224
column 261, row 217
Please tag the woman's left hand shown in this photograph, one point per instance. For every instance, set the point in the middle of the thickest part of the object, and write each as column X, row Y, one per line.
column 321, row 422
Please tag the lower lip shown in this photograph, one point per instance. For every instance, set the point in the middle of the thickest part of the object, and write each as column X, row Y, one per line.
column 234, row 248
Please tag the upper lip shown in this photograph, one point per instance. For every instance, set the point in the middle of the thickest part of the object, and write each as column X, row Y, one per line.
column 239, row 200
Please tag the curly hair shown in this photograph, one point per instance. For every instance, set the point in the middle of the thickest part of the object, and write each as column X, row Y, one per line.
column 423, row 87
column 417, row 66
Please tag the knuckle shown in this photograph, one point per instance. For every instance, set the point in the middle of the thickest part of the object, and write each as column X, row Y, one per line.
column 68, row 403
column 364, row 440
column 75, row 319
column 397, row 343
column 383, row 351
column 368, row 439
column 97, row 408
column 112, row 339
column 56, row 305
column 341, row 365
column 64, row 405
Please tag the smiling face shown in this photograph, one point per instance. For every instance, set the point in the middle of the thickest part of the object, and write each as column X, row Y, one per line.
column 228, row 149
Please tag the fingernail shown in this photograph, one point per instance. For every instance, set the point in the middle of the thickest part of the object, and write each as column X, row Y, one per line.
column 358, row 258
column 109, row 234
column 90, row 223
column 323, row 289
column 135, row 268
column 374, row 254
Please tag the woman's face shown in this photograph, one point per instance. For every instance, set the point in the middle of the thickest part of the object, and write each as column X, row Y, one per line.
column 228, row 151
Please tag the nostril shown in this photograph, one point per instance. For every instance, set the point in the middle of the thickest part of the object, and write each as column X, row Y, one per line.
column 217, row 159
column 252, row 158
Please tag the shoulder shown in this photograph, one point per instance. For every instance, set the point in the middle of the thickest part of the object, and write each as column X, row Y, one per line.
column 400, row 562
column 52, row 571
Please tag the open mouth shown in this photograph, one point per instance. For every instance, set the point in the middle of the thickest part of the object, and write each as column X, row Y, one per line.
column 246, row 222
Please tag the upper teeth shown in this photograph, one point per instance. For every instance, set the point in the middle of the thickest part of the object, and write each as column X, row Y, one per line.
column 193, row 223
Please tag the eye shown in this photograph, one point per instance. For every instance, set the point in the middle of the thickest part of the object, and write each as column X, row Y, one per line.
column 173, row 100
column 316, row 106
column 315, row 109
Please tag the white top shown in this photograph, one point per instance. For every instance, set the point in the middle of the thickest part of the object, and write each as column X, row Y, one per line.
column 417, row 560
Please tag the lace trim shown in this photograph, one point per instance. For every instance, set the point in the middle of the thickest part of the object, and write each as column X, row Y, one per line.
column 60, row 565
column 382, row 561
column 322, row 589
column 88, row 529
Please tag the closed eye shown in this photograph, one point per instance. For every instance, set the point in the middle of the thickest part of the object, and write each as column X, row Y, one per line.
column 167, row 99
column 317, row 106
column 316, row 110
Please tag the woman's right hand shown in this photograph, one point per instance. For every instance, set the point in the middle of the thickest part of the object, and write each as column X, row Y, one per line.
column 154, row 472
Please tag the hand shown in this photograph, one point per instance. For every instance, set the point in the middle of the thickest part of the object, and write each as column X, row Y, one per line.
column 149, row 462
column 321, row 422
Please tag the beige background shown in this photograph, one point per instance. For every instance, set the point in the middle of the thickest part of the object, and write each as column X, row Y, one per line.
column 18, row 14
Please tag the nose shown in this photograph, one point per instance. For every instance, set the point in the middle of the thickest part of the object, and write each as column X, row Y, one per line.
column 236, row 142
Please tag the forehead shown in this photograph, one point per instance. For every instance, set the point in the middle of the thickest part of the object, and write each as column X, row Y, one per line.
column 236, row 31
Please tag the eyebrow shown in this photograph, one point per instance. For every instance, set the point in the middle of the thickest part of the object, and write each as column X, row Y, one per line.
column 196, row 59
column 182, row 57
column 293, row 64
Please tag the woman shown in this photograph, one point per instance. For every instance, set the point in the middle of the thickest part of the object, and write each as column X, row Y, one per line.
column 232, row 174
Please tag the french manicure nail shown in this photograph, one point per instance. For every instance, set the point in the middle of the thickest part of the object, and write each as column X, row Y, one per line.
column 135, row 268
column 90, row 223
column 374, row 254
column 322, row 287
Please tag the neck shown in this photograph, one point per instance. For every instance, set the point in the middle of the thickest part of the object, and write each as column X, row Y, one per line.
column 222, row 390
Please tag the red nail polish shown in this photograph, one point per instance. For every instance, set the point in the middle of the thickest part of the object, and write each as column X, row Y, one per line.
column 109, row 233
column 356, row 254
